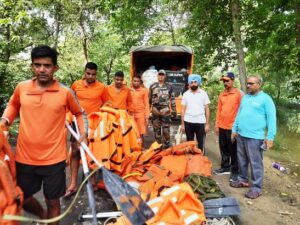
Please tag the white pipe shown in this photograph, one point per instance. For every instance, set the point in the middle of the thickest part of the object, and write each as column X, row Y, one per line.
column 84, row 146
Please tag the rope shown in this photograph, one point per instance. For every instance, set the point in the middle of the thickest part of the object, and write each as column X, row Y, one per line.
column 131, row 175
column 220, row 221
column 110, row 218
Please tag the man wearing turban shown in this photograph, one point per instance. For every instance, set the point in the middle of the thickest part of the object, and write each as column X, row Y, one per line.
column 195, row 111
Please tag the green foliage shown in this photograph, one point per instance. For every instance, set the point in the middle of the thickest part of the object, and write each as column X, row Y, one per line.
column 109, row 28
column 209, row 30
column 272, row 46
column 107, row 51
column 71, row 60
column 130, row 18
column 104, row 31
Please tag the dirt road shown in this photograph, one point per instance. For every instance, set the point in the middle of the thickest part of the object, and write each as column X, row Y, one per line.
column 280, row 202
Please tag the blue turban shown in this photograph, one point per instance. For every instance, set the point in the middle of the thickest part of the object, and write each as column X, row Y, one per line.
column 194, row 77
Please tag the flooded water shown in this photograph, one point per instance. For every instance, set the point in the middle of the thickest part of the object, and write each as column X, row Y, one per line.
column 287, row 142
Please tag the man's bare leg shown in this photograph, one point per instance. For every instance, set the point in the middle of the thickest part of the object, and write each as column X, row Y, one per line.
column 74, row 165
column 32, row 206
column 53, row 209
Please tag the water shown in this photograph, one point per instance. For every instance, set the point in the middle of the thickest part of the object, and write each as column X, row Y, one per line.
column 287, row 142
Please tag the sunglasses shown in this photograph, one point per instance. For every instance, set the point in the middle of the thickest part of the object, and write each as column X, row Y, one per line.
column 250, row 83
column 226, row 81
column 161, row 74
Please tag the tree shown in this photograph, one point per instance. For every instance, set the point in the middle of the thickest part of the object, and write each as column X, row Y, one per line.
column 236, row 24
column 272, row 46
column 18, row 25
column 106, row 50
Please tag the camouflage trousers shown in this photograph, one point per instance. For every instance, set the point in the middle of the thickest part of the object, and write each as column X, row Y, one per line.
column 161, row 128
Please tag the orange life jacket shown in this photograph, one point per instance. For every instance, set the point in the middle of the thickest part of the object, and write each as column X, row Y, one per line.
column 101, row 138
column 177, row 205
column 11, row 196
column 164, row 168
column 112, row 136
column 154, row 155
column 198, row 164
column 175, row 163
column 155, row 179
column 130, row 133
column 132, row 161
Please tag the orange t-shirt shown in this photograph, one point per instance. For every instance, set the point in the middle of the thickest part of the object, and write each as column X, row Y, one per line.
column 42, row 137
column 228, row 106
column 121, row 99
column 140, row 101
column 90, row 96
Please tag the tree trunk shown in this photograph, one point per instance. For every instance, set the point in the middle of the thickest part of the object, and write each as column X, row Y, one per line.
column 170, row 28
column 57, row 8
column 108, row 70
column 84, row 36
column 297, row 14
column 235, row 12
column 278, row 93
column 5, row 57
column 172, row 33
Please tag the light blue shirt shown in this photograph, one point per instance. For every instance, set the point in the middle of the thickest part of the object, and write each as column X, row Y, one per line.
column 256, row 117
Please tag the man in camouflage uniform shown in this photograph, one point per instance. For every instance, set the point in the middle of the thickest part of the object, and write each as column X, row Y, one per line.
column 162, row 102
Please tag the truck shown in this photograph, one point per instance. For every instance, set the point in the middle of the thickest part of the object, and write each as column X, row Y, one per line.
column 176, row 60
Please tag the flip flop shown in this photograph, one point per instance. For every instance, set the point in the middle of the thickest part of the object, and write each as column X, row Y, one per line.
column 69, row 193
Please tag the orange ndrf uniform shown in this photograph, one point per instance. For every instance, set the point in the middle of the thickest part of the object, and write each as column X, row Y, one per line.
column 228, row 105
column 120, row 99
column 42, row 139
column 140, row 108
column 90, row 96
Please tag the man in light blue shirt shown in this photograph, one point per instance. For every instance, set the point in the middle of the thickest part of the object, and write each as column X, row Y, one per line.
column 254, row 129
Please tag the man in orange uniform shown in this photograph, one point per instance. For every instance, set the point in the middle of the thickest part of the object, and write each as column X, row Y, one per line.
column 228, row 105
column 89, row 92
column 40, row 155
column 118, row 94
column 140, row 105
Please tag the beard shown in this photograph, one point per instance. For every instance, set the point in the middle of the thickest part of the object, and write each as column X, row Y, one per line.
column 194, row 88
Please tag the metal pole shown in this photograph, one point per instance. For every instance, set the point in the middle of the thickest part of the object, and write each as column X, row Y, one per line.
column 89, row 187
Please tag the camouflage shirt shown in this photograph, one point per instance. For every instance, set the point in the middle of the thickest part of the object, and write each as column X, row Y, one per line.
column 162, row 97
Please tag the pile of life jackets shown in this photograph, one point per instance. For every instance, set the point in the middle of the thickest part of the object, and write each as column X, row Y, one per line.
column 156, row 169
column 11, row 196
column 158, row 175
column 177, row 205
column 112, row 136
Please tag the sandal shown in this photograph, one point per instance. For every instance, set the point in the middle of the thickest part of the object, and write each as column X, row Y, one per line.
column 70, row 192
column 253, row 194
column 239, row 184
column 95, row 187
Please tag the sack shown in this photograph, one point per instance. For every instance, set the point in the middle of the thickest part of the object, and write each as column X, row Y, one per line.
column 204, row 187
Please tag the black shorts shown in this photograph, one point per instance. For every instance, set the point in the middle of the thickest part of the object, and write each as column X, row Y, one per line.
column 53, row 178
